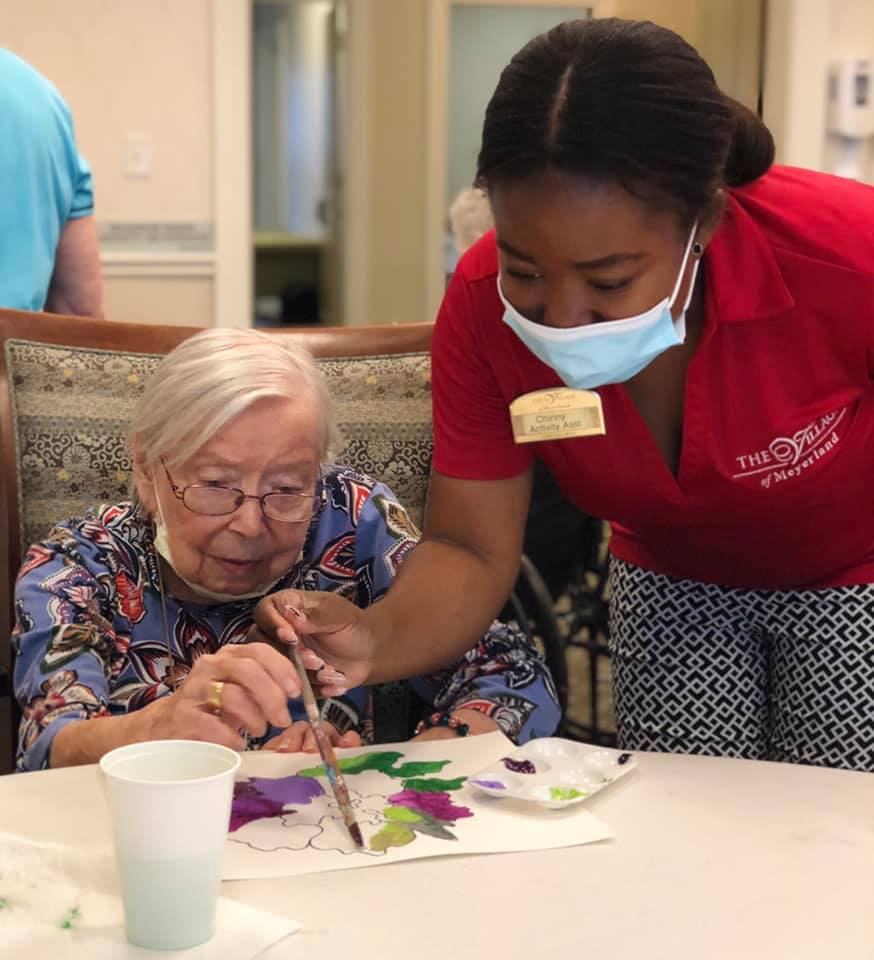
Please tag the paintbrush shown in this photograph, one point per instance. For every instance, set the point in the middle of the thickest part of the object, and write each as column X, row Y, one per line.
column 326, row 751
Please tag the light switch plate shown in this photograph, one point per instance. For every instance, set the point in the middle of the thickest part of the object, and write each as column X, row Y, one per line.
column 138, row 156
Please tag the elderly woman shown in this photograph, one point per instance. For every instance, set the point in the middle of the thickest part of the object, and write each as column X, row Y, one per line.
column 132, row 622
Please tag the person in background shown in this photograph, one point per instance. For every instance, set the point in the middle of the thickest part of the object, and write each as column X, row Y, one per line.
column 49, row 257
column 131, row 621
column 470, row 216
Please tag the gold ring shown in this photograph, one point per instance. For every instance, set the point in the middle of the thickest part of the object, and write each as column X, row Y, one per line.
column 214, row 701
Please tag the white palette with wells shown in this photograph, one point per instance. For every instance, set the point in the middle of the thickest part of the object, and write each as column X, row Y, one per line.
column 553, row 772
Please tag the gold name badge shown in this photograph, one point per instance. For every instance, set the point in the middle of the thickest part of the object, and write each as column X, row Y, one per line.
column 556, row 414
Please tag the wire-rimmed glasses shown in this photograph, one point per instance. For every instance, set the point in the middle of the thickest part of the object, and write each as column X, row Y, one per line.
column 216, row 500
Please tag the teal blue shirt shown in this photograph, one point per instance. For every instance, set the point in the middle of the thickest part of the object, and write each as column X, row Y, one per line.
column 44, row 182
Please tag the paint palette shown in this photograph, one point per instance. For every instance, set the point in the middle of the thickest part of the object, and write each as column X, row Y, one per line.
column 553, row 772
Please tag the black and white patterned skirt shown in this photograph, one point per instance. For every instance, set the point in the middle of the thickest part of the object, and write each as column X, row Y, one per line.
column 762, row 674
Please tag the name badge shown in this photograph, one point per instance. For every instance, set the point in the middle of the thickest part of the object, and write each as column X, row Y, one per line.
column 556, row 414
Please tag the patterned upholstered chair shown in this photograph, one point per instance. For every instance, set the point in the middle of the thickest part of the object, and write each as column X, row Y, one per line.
column 67, row 390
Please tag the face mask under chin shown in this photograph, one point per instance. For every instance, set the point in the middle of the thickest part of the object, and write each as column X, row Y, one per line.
column 163, row 548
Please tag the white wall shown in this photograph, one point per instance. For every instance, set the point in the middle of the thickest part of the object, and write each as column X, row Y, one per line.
column 181, row 301
column 804, row 36
column 852, row 28
column 128, row 67
column 852, row 38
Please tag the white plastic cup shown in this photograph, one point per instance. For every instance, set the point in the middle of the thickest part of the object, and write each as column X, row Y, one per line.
column 170, row 804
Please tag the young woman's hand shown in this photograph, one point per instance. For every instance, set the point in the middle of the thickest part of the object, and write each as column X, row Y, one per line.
column 333, row 630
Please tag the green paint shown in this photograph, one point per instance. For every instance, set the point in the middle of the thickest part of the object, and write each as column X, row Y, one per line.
column 313, row 772
column 383, row 762
column 69, row 918
column 2, row 902
column 432, row 827
column 416, row 768
column 352, row 765
column 392, row 835
column 434, row 785
column 402, row 826
column 401, row 815
column 566, row 793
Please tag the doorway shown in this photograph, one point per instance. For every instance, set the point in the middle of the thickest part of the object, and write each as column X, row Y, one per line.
column 470, row 41
column 298, row 50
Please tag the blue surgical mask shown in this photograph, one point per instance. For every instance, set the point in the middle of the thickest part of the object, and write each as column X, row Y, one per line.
column 610, row 352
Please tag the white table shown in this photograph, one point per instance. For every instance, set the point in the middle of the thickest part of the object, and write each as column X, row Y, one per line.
column 712, row 859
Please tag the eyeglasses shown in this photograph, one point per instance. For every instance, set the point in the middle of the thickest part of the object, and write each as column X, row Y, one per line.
column 218, row 501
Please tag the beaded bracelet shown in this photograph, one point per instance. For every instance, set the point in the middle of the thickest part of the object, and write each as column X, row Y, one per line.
column 443, row 720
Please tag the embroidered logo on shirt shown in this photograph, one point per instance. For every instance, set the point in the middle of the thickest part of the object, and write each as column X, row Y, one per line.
column 786, row 458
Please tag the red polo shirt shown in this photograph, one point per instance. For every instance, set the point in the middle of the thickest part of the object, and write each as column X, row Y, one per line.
column 775, row 487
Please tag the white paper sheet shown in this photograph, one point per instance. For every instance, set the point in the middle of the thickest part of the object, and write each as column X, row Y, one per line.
column 286, row 821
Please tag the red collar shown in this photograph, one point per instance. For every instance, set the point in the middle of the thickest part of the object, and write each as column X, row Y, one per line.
column 742, row 271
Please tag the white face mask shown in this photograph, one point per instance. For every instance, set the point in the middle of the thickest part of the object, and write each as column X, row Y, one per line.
column 614, row 351
column 162, row 546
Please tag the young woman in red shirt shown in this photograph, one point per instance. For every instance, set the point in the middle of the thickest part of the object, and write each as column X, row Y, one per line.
column 702, row 324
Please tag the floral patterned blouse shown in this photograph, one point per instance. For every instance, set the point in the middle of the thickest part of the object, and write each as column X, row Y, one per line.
column 89, row 630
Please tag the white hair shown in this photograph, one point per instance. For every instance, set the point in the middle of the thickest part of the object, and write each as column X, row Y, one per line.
column 470, row 216
column 214, row 376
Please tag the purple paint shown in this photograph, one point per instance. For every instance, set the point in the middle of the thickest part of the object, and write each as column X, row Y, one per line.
column 355, row 833
column 285, row 790
column 437, row 805
column 490, row 784
column 262, row 797
column 248, row 807
column 519, row 766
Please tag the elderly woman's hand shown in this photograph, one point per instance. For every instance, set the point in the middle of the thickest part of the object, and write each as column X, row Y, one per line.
column 241, row 687
column 334, row 632
column 299, row 738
